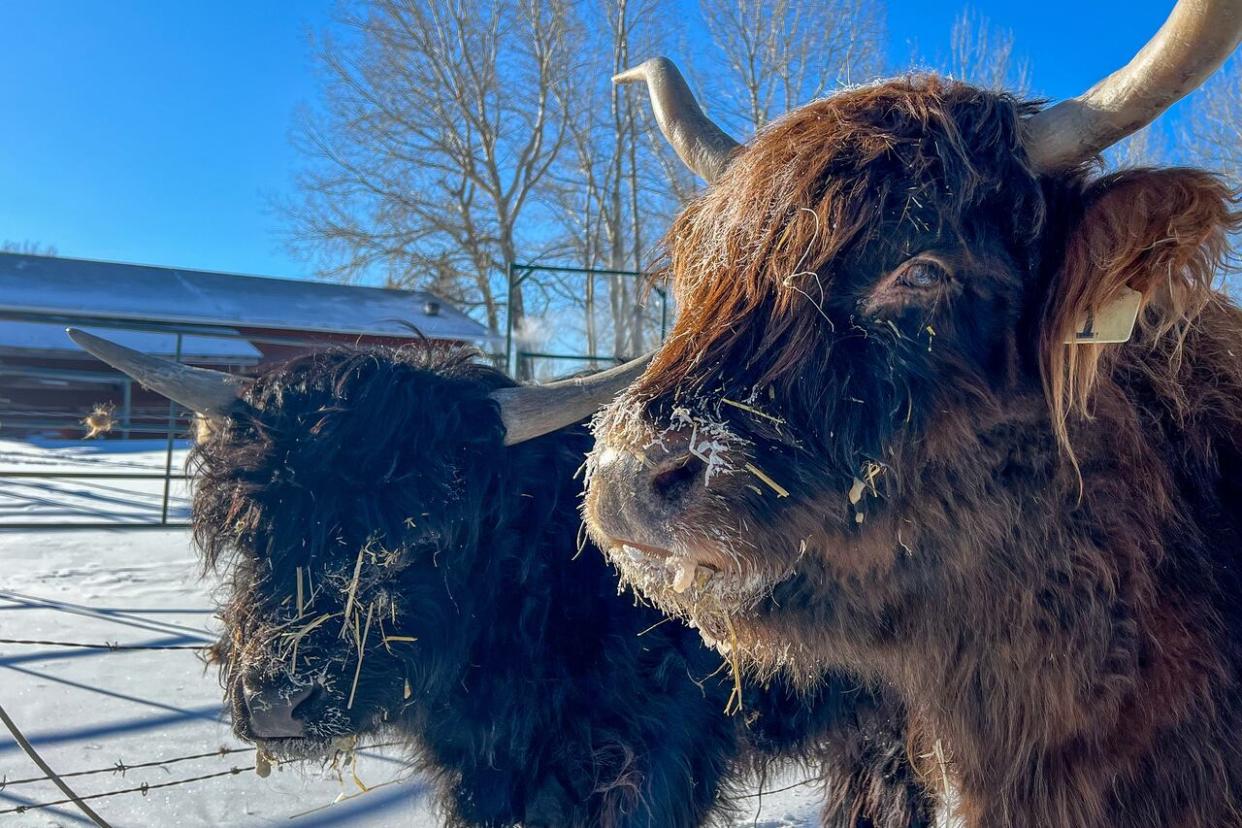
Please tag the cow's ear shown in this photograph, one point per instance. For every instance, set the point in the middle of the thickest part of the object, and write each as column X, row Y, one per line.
column 1151, row 240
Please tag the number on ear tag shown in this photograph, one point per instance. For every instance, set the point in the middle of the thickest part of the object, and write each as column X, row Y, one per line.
column 1111, row 324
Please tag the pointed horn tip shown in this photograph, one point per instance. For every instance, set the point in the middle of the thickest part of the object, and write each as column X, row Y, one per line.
column 87, row 341
column 637, row 74
column 645, row 71
column 97, row 346
column 209, row 393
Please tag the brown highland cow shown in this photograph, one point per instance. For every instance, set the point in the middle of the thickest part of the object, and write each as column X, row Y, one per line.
column 895, row 431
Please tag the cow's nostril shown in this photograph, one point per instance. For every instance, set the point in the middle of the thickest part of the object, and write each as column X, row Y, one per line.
column 271, row 710
column 675, row 479
column 302, row 706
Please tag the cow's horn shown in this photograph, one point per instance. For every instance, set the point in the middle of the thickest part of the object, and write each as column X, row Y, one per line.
column 209, row 393
column 530, row 411
column 1192, row 44
column 527, row 411
column 703, row 146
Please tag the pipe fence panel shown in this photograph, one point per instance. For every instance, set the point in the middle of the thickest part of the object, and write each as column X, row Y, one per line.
column 131, row 474
column 563, row 320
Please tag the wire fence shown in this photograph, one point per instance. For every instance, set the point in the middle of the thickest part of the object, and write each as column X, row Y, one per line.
column 12, row 788
column 144, row 789
column 19, row 804
column 120, row 768
column 107, row 645
column 54, row 394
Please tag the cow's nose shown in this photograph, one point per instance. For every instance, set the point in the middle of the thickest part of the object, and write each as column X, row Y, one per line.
column 633, row 493
column 272, row 709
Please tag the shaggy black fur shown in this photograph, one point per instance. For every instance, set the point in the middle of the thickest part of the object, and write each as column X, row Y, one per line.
column 534, row 694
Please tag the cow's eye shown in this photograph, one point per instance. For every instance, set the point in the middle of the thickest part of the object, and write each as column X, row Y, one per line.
column 922, row 274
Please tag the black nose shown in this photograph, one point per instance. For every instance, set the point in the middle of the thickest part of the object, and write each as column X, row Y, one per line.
column 272, row 709
column 633, row 493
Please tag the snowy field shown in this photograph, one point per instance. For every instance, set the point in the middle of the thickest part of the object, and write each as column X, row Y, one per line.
column 90, row 709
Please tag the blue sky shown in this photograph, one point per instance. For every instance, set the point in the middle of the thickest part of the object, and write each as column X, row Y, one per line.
column 157, row 132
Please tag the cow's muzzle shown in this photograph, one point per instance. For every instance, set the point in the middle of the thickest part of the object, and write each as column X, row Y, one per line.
column 640, row 497
column 277, row 710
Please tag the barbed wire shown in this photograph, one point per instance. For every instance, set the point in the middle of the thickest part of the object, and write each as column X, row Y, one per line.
column 107, row 645
column 122, row 768
column 146, row 787
column 143, row 789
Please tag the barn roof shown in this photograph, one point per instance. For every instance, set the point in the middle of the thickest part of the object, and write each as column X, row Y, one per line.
column 47, row 339
column 62, row 287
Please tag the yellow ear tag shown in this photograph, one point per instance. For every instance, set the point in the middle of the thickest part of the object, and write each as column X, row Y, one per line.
column 1111, row 324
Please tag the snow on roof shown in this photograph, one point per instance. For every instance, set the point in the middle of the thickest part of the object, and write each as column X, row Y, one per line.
column 49, row 339
column 112, row 290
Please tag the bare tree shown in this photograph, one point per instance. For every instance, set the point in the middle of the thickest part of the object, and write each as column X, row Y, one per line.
column 611, row 202
column 621, row 183
column 780, row 54
column 1147, row 147
column 1211, row 137
column 27, row 247
column 624, row 221
column 579, row 195
column 1214, row 139
column 437, row 128
column 621, row 117
column 983, row 54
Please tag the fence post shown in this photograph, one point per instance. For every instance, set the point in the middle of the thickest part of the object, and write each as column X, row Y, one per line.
column 172, row 426
column 127, row 407
column 510, row 360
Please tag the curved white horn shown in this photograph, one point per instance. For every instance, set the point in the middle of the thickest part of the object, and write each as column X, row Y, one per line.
column 209, row 393
column 1192, row 44
column 703, row 146
column 530, row 411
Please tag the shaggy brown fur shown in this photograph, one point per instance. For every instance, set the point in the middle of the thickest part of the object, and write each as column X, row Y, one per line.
column 1034, row 546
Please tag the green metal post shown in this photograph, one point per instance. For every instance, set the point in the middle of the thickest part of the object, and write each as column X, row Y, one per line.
column 510, row 362
column 172, row 427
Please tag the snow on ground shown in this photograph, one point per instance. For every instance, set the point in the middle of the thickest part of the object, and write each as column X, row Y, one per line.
column 87, row 709
column 92, row 498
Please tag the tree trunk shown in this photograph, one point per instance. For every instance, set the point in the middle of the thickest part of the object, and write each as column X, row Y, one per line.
column 637, row 345
column 616, row 257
